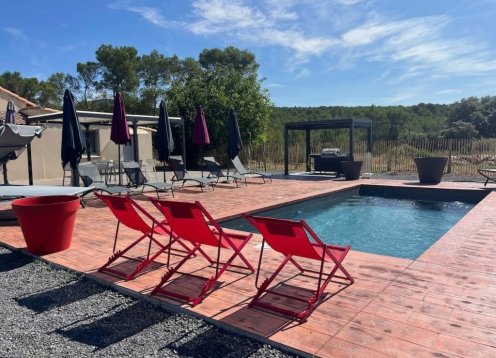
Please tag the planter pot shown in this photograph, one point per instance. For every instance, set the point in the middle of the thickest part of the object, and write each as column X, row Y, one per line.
column 47, row 222
column 430, row 169
column 351, row 169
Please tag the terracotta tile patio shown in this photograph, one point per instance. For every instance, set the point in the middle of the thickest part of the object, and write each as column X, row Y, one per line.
column 441, row 304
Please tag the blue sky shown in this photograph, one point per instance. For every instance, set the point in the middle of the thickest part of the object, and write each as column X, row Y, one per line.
column 311, row 52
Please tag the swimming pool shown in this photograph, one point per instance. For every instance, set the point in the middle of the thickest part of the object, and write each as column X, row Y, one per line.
column 377, row 223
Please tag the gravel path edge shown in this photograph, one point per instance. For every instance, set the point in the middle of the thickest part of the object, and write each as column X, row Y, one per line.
column 163, row 305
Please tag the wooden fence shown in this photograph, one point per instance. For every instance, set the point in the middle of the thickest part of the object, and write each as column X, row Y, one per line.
column 465, row 156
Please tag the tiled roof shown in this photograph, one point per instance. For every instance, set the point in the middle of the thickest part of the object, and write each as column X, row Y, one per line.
column 16, row 96
column 25, row 104
column 18, row 117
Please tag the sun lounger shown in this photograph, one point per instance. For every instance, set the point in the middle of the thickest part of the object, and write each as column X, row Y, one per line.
column 137, row 179
column 134, row 217
column 90, row 175
column 182, row 175
column 8, row 192
column 191, row 222
column 489, row 174
column 243, row 171
column 296, row 239
column 216, row 172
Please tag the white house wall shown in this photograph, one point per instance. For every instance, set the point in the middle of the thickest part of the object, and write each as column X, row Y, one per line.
column 46, row 155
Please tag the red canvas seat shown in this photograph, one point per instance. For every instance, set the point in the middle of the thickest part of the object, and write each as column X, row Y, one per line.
column 296, row 239
column 132, row 215
column 192, row 222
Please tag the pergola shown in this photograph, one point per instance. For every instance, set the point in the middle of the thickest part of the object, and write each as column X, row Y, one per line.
column 350, row 123
column 88, row 119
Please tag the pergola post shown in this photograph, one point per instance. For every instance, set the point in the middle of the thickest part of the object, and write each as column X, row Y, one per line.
column 30, row 164
column 352, row 140
column 135, row 141
column 183, row 133
column 369, row 139
column 307, row 149
column 286, row 147
column 88, row 144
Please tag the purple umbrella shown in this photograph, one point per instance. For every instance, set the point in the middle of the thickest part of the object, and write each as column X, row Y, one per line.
column 119, row 132
column 9, row 118
column 200, row 136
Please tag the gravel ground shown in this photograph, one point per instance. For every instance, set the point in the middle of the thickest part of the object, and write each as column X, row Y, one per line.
column 47, row 312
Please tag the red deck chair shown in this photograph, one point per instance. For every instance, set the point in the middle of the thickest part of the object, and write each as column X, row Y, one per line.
column 290, row 239
column 127, row 212
column 192, row 222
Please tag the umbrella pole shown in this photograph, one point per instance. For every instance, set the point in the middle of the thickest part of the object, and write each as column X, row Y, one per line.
column 5, row 179
column 119, row 164
column 201, row 160
column 74, row 175
column 163, row 164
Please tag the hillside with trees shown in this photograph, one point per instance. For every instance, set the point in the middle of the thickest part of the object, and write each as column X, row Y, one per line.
column 223, row 78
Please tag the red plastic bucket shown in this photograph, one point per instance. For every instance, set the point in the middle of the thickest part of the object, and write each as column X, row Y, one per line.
column 47, row 222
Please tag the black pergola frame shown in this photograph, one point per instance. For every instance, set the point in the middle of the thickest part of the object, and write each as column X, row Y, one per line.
column 87, row 119
column 350, row 123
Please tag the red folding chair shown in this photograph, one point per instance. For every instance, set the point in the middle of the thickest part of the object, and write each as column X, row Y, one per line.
column 132, row 215
column 192, row 222
column 290, row 239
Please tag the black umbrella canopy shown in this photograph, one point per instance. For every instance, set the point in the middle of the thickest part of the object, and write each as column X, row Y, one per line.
column 119, row 131
column 165, row 142
column 72, row 140
column 234, row 142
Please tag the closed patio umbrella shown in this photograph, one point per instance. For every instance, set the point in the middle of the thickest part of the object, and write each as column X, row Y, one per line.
column 119, row 132
column 9, row 119
column 200, row 136
column 10, row 113
column 72, row 140
column 165, row 142
column 234, row 142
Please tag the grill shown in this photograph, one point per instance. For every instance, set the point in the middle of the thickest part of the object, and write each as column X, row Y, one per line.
column 330, row 152
column 329, row 160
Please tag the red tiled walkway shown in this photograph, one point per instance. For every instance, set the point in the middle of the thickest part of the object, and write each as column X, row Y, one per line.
column 441, row 304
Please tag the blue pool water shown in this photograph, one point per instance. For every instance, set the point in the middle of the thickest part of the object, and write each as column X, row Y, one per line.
column 385, row 226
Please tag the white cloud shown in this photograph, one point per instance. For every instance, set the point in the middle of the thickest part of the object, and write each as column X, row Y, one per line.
column 348, row 2
column 274, row 85
column 224, row 16
column 302, row 73
column 304, row 47
column 420, row 47
column 150, row 14
column 16, row 33
column 282, row 9
column 448, row 91
column 400, row 97
column 371, row 32
column 249, row 23
column 349, row 32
